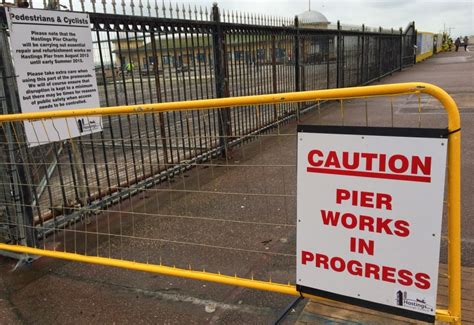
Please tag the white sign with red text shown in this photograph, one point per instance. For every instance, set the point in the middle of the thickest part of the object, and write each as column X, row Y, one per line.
column 369, row 217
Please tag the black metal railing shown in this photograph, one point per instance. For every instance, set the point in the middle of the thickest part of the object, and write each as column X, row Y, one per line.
column 150, row 59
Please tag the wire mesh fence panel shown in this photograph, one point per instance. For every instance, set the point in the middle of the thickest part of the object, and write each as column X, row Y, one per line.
column 209, row 189
column 168, row 53
column 125, row 201
column 166, row 219
column 227, row 210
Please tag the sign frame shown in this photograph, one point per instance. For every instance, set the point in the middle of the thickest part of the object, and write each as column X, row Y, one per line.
column 370, row 131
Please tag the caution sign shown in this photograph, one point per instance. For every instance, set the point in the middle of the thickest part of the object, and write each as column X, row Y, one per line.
column 369, row 208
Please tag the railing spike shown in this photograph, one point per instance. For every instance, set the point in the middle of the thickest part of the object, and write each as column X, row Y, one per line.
column 123, row 7
column 132, row 6
column 114, row 7
column 104, row 6
column 157, row 9
column 148, row 7
column 140, row 6
column 93, row 5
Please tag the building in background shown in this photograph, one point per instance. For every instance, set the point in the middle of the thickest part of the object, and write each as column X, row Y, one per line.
column 313, row 19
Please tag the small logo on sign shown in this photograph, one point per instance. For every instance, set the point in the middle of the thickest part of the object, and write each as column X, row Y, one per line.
column 408, row 301
column 86, row 125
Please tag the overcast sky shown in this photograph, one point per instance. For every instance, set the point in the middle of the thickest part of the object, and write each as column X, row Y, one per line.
column 429, row 15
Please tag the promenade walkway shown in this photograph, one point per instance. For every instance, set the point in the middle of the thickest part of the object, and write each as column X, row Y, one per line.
column 259, row 232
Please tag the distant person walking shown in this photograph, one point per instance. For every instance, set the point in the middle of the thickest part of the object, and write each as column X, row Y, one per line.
column 466, row 42
column 457, row 43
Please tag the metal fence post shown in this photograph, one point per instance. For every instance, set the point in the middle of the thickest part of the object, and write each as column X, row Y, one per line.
column 379, row 54
column 220, row 79
column 401, row 50
column 342, row 62
column 358, row 82
column 159, row 98
column 274, row 76
column 302, row 65
column 297, row 55
column 328, row 63
column 362, row 80
column 413, row 41
column 16, row 152
column 297, row 64
column 338, row 55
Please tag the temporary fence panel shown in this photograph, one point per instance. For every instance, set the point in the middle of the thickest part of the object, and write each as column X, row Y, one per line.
column 219, row 214
column 424, row 44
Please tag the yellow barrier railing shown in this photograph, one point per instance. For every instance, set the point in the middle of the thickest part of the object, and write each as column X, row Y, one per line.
column 452, row 314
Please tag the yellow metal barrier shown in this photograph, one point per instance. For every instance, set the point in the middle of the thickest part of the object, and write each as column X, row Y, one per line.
column 452, row 314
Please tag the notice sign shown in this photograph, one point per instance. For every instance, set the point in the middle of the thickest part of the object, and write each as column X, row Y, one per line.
column 370, row 203
column 52, row 54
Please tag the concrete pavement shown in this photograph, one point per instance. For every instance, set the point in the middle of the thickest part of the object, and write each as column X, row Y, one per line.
column 59, row 292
